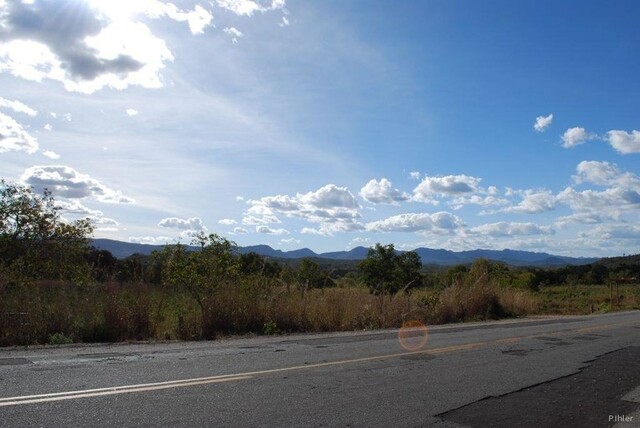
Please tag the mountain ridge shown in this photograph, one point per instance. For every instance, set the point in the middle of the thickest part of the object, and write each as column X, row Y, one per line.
column 437, row 256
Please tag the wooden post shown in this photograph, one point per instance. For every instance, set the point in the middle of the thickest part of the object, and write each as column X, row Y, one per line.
column 611, row 294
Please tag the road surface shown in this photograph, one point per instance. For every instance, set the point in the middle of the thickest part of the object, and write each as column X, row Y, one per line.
column 554, row 371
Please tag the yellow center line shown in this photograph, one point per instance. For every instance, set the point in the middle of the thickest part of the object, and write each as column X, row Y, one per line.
column 69, row 395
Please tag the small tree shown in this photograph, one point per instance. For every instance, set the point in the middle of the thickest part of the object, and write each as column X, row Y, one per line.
column 35, row 243
column 386, row 272
column 312, row 275
column 201, row 272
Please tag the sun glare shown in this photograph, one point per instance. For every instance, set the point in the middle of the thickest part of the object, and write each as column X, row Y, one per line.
column 115, row 10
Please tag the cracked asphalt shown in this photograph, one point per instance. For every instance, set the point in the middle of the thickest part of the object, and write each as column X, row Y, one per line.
column 557, row 371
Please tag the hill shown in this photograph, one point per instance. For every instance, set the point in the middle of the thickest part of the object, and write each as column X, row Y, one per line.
column 428, row 256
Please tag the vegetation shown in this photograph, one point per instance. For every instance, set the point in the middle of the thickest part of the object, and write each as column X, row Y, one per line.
column 55, row 289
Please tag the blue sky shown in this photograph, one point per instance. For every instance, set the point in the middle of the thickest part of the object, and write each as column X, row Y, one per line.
column 330, row 124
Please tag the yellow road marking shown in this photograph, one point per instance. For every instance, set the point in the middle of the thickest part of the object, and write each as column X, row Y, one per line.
column 69, row 395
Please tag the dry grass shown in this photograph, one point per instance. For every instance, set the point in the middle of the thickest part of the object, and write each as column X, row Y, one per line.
column 581, row 299
column 52, row 312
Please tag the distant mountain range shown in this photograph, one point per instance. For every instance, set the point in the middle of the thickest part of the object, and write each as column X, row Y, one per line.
column 427, row 255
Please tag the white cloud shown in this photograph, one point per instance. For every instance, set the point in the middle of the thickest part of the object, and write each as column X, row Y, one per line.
column 605, row 174
column 334, row 208
column 504, row 228
column 17, row 107
column 249, row 7
column 329, row 197
column 13, row 137
column 270, row 231
column 227, row 221
column 284, row 22
column 533, row 202
column 331, row 228
column 234, row 33
column 610, row 203
column 89, row 45
column 382, row 192
column 240, row 231
column 624, row 142
column 414, row 175
column 483, row 201
column 192, row 223
column 359, row 240
column 543, row 122
column 576, row 136
column 414, row 222
column 579, row 218
column 622, row 231
column 151, row 240
column 447, row 185
column 290, row 241
column 131, row 112
column 51, row 154
column 47, row 127
column 66, row 182
column 198, row 19
column 103, row 221
column 75, row 207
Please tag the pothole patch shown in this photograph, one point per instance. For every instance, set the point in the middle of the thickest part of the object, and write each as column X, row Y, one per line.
column 14, row 361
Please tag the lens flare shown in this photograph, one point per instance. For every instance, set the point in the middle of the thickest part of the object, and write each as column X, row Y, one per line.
column 413, row 335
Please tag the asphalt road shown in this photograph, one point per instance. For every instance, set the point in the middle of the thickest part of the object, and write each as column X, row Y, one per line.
column 563, row 371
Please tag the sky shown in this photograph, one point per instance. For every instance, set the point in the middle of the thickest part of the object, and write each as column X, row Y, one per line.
column 330, row 124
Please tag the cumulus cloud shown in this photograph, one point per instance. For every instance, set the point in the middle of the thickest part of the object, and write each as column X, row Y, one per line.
column 240, row 231
column 103, row 221
column 249, row 7
column 331, row 228
column 359, row 240
column 575, row 136
column 503, row 228
column 89, row 45
column 382, row 192
column 51, row 154
column 543, row 122
column 151, row 240
column 605, row 174
column 447, row 185
column 192, row 223
column 77, row 208
column 131, row 112
column 534, row 202
column 13, row 137
column 270, row 231
column 290, row 241
column 616, row 232
column 66, row 182
column 234, row 33
column 414, row 175
column 579, row 218
column 415, row 222
column 624, row 142
column 334, row 208
column 483, row 201
column 17, row 107
column 227, row 221
column 610, row 203
column 284, row 22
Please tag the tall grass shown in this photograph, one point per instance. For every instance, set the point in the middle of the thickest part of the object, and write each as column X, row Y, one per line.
column 56, row 312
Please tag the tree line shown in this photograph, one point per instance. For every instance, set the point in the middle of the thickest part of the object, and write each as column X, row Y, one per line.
column 36, row 244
